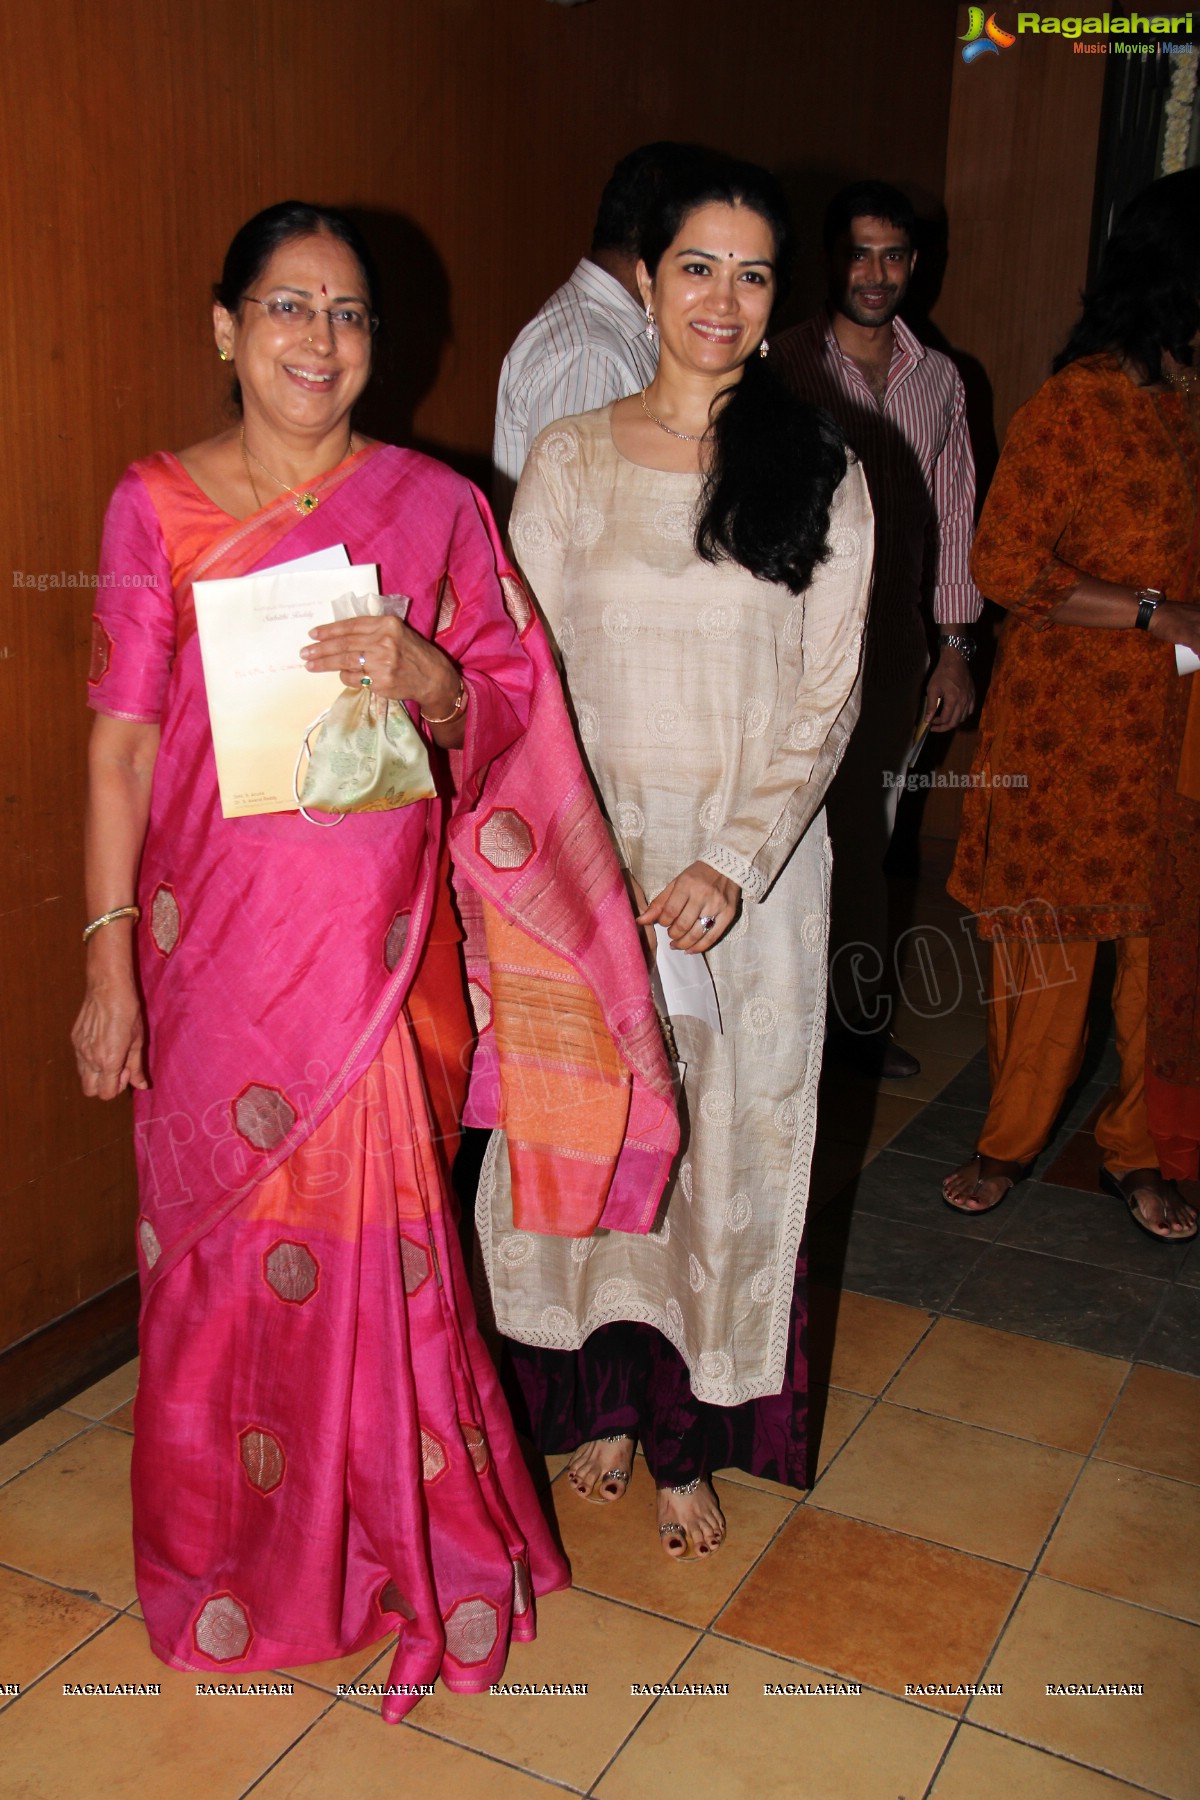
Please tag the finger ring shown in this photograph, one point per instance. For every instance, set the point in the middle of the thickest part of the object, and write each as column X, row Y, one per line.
column 365, row 681
column 362, row 662
column 706, row 922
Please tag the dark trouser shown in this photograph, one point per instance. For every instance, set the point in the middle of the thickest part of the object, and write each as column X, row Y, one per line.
column 860, row 809
column 626, row 1379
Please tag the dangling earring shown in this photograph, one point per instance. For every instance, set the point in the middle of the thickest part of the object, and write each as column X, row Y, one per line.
column 763, row 348
column 651, row 327
column 223, row 354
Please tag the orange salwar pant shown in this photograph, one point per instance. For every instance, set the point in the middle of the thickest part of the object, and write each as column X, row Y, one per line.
column 1037, row 1032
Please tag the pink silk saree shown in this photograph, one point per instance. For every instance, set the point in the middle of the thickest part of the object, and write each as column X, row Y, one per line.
column 322, row 1454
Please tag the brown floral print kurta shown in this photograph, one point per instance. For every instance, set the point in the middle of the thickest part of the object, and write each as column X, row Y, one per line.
column 1099, row 477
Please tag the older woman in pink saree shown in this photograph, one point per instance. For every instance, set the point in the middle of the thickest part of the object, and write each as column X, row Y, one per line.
column 322, row 1454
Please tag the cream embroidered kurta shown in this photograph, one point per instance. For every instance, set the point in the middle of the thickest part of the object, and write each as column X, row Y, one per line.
column 713, row 709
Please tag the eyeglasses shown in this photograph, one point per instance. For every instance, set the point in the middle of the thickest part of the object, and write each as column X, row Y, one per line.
column 293, row 315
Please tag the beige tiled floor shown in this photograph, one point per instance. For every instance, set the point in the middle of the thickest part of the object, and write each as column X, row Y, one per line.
column 987, row 1509
column 908, row 1565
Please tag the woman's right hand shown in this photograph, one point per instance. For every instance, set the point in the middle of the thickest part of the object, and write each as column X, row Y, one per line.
column 109, row 1038
column 1176, row 624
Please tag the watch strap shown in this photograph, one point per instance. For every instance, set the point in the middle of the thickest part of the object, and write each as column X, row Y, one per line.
column 956, row 640
column 1149, row 600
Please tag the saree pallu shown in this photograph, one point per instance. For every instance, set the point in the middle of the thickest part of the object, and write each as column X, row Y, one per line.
column 322, row 1454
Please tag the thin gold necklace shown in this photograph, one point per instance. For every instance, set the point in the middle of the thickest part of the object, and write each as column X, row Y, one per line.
column 306, row 500
column 689, row 437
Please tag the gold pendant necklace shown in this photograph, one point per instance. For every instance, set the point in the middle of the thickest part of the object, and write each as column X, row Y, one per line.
column 688, row 437
column 306, row 500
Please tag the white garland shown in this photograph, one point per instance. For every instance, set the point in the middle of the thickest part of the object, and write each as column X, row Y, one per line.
column 1178, row 114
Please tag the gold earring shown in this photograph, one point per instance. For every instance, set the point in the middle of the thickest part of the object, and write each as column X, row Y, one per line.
column 651, row 327
column 763, row 348
column 223, row 354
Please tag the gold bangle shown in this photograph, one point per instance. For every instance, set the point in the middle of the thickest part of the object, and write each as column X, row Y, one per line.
column 458, row 706
column 118, row 912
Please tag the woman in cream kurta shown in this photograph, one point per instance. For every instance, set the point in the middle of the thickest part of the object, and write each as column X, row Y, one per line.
column 712, row 708
column 701, row 553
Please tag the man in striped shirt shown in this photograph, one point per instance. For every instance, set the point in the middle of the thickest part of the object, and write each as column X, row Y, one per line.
column 588, row 344
column 902, row 408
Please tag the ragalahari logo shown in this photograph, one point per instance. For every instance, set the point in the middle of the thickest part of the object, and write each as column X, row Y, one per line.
column 984, row 38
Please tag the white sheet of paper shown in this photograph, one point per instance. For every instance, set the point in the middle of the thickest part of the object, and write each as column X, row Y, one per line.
column 261, row 698
column 687, row 986
column 334, row 556
column 1186, row 661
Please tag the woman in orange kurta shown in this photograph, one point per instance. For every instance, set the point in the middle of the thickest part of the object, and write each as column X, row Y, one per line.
column 1084, row 825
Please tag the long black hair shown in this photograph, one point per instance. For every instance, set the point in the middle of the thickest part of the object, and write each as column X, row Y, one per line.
column 1145, row 296
column 775, row 462
column 255, row 243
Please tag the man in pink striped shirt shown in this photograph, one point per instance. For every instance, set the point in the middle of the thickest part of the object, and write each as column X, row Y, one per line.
column 903, row 410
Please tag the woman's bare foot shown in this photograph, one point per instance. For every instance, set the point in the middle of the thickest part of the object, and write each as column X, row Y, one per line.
column 981, row 1183
column 1154, row 1203
column 690, row 1520
column 601, row 1468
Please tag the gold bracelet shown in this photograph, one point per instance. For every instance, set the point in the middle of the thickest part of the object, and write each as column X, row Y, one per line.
column 458, row 706
column 118, row 912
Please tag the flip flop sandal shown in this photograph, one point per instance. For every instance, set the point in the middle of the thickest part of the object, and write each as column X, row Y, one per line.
column 1125, row 1187
column 1006, row 1173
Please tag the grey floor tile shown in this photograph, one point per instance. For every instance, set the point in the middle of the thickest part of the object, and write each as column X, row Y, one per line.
column 942, row 1131
column 896, row 1186
column 888, row 1258
column 1105, row 1310
column 1174, row 1339
column 1081, row 1103
column 971, row 1087
column 1087, row 1228
column 1189, row 1274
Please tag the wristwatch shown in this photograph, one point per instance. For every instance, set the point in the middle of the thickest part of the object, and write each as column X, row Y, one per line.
column 953, row 640
column 1149, row 600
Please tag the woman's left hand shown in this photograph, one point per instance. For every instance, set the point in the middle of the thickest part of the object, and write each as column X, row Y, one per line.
column 401, row 663
column 698, row 893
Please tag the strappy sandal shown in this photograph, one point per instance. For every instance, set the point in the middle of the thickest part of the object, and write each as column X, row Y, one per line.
column 622, row 1476
column 1125, row 1187
column 1003, row 1170
column 671, row 1528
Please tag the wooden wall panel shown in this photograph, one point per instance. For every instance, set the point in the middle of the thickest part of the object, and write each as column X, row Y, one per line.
column 108, row 212
column 1020, row 175
column 135, row 135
